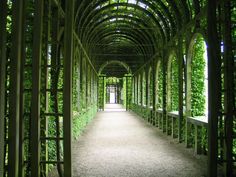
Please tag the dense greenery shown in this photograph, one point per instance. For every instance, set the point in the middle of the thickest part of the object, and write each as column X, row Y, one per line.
column 127, row 91
column 101, row 91
column 112, row 80
column 124, row 92
column 144, row 89
column 136, row 30
column 150, row 88
column 198, row 63
column 139, row 89
column 174, row 84
column 159, row 86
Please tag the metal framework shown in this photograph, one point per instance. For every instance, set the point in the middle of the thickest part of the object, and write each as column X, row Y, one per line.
column 55, row 57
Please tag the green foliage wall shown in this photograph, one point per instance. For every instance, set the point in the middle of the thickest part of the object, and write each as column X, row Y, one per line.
column 150, row 89
column 129, row 90
column 159, row 86
column 174, row 84
column 144, row 88
column 101, row 91
column 139, row 89
column 112, row 80
column 197, row 78
column 124, row 91
column 83, row 114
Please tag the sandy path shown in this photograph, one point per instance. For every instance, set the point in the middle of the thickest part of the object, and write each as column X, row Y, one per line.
column 119, row 144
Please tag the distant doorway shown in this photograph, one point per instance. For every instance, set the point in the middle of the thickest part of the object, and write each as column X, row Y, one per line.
column 111, row 94
column 112, row 98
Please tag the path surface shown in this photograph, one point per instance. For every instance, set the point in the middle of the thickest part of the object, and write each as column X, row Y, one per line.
column 120, row 144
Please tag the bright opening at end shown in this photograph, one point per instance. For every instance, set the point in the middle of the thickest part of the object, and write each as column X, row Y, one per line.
column 114, row 107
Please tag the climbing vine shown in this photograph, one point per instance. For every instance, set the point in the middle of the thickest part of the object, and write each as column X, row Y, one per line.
column 112, row 80
column 198, row 78
column 159, row 86
column 124, row 92
column 174, row 89
column 144, row 89
column 150, row 89
column 139, row 89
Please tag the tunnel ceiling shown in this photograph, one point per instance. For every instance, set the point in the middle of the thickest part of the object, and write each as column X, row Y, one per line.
column 131, row 31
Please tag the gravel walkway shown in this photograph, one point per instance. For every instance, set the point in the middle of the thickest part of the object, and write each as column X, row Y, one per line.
column 119, row 144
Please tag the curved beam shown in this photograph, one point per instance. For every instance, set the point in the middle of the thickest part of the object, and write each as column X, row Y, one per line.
column 140, row 10
column 105, row 24
column 115, row 62
column 123, row 29
column 145, row 50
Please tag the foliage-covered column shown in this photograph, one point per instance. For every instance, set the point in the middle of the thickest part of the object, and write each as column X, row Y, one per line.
column 128, row 85
column 159, row 85
column 101, row 92
column 172, row 84
column 144, row 88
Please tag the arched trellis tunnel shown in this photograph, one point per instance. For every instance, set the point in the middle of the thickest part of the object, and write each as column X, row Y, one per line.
column 52, row 56
column 110, row 84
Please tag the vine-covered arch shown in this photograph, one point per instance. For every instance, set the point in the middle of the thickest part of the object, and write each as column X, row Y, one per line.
column 159, row 84
column 196, row 67
column 172, row 82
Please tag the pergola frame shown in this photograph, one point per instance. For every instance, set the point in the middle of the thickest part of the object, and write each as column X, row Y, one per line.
column 48, row 45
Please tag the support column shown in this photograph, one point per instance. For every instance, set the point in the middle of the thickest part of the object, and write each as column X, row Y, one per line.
column 45, row 74
column 154, row 91
column 22, row 99
column 14, row 95
column 214, row 82
column 164, row 96
column 181, row 90
column 3, row 17
column 36, row 87
column 147, row 89
column 229, row 93
column 67, row 87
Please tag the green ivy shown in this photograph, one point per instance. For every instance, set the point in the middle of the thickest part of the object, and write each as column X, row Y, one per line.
column 124, row 91
column 150, row 91
column 159, row 103
column 81, row 119
column 139, row 89
column 197, row 80
column 112, row 80
column 101, row 92
column 174, row 90
column 144, row 89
